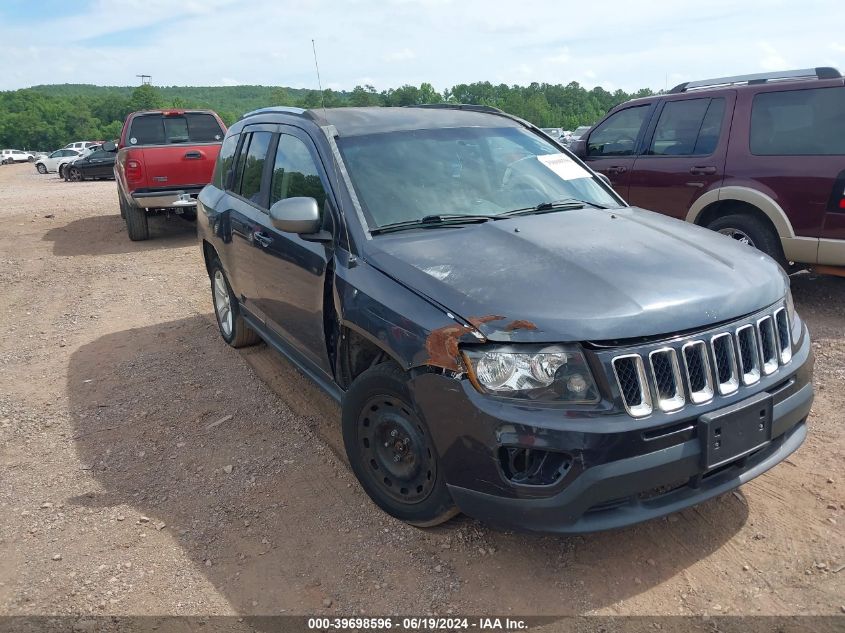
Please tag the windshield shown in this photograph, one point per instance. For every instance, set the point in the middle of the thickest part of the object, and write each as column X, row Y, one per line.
column 408, row 175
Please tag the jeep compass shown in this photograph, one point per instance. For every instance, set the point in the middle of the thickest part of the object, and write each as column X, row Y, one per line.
column 506, row 336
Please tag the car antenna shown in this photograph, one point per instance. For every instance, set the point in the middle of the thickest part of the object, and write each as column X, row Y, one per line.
column 352, row 259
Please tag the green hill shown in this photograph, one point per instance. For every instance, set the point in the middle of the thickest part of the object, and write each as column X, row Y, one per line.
column 49, row 116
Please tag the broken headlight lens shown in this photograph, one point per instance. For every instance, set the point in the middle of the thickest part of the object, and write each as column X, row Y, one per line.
column 551, row 373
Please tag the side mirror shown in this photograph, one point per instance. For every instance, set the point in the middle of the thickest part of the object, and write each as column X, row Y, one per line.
column 579, row 148
column 109, row 146
column 296, row 215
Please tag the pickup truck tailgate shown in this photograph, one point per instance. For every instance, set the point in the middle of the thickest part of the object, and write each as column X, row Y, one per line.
column 179, row 165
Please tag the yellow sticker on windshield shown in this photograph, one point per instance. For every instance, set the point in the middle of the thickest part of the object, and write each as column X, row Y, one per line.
column 563, row 166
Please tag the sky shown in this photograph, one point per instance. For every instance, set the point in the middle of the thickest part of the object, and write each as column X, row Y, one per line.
column 387, row 43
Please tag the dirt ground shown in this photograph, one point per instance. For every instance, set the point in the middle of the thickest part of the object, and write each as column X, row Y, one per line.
column 147, row 468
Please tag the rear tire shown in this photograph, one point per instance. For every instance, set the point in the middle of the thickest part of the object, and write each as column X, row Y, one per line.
column 137, row 223
column 227, row 310
column 391, row 450
column 753, row 231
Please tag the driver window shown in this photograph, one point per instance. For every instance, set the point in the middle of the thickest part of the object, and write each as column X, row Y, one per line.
column 295, row 172
column 617, row 136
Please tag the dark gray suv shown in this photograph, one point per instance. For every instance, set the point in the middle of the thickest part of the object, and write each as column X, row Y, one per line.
column 506, row 336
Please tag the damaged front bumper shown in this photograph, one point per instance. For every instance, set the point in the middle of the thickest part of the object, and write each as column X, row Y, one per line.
column 608, row 470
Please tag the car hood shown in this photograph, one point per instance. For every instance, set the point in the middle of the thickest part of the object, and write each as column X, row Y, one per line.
column 582, row 275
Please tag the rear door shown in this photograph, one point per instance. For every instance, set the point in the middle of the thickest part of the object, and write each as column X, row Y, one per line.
column 179, row 149
column 683, row 155
column 612, row 146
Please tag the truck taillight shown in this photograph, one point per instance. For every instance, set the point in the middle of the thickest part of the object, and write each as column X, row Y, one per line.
column 133, row 170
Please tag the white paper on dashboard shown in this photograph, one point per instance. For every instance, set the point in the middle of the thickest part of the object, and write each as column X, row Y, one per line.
column 563, row 166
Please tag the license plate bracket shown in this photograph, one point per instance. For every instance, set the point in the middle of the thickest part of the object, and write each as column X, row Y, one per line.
column 730, row 433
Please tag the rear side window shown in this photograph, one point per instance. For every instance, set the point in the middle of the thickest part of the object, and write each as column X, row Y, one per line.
column 225, row 160
column 253, row 166
column 157, row 129
column 689, row 127
column 617, row 135
column 295, row 172
column 798, row 123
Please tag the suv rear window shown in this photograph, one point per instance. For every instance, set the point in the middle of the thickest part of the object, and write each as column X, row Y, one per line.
column 157, row 129
column 798, row 122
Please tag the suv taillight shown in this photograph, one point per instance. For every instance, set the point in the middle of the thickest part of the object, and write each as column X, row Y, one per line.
column 134, row 173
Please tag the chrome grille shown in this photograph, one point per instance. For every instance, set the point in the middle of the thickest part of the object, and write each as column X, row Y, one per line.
column 784, row 338
column 667, row 379
column 631, row 378
column 768, row 351
column 719, row 365
column 724, row 358
column 749, row 358
column 697, row 366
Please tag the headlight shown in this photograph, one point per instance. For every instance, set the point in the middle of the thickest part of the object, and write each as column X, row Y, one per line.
column 790, row 307
column 551, row 373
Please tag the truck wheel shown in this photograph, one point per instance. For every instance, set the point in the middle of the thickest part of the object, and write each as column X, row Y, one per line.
column 747, row 229
column 233, row 328
column 41, row 168
column 391, row 450
column 137, row 225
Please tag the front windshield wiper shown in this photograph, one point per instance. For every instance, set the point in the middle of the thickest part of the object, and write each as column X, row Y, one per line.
column 565, row 204
column 432, row 221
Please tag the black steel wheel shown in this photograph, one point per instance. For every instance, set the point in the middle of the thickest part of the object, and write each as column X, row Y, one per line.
column 391, row 449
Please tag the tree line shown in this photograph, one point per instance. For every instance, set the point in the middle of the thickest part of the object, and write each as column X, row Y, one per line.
column 47, row 117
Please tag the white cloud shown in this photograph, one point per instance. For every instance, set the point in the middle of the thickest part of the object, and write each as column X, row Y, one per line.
column 387, row 44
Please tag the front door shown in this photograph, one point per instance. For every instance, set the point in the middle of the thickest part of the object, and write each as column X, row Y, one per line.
column 612, row 146
column 289, row 280
column 684, row 154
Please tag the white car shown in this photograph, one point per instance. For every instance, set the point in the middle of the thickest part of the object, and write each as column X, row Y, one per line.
column 9, row 156
column 56, row 161
column 79, row 145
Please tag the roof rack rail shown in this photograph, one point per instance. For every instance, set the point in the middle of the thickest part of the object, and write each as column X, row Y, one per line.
column 458, row 106
column 280, row 109
column 821, row 72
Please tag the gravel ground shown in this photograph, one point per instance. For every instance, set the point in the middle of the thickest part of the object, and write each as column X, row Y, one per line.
column 147, row 468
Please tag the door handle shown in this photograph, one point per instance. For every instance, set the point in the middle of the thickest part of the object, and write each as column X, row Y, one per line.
column 193, row 155
column 702, row 171
column 617, row 169
column 262, row 238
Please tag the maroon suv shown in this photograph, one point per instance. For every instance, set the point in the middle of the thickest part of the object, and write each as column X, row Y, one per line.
column 758, row 157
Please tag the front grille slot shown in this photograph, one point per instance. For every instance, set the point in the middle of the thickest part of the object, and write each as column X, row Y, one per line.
column 724, row 359
column 749, row 358
column 630, row 376
column 768, row 350
column 667, row 379
column 697, row 367
column 784, row 338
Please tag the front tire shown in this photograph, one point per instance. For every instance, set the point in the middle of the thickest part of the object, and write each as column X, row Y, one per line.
column 73, row 174
column 750, row 230
column 42, row 169
column 137, row 222
column 233, row 328
column 391, row 450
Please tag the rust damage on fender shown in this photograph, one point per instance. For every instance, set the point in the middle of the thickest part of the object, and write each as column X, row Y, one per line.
column 442, row 343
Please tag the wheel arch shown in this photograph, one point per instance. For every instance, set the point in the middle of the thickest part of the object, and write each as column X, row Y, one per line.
column 717, row 201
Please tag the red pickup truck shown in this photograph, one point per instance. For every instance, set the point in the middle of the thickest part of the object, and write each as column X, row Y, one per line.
column 164, row 159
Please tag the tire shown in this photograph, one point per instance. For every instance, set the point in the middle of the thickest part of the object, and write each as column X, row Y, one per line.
column 62, row 170
column 391, row 450
column 122, row 206
column 137, row 224
column 31, row 159
column 227, row 310
column 42, row 169
column 73, row 174
column 753, row 231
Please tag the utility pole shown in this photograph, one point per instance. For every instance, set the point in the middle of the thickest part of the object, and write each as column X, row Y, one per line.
column 145, row 79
